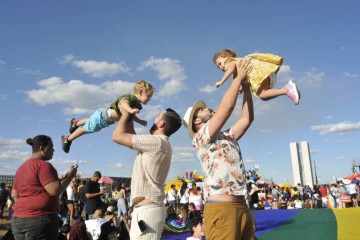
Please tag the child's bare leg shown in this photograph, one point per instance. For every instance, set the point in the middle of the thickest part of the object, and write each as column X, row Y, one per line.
column 74, row 124
column 82, row 122
column 75, row 132
column 266, row 93
column 78, row 132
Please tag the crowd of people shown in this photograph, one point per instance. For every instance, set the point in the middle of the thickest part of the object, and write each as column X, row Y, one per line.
column 37, row 189
column 274, row 196
column 49, row 207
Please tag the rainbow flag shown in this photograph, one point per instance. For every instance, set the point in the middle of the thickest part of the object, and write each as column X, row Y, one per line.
column 312, row 224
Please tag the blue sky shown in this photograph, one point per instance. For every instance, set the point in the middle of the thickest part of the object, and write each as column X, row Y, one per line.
column 64, row 59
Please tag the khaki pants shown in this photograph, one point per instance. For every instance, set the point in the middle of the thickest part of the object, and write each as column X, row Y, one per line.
column 228, row 221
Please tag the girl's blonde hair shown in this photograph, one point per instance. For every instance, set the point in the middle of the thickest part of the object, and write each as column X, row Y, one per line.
column 142, row 85
column 224, row 53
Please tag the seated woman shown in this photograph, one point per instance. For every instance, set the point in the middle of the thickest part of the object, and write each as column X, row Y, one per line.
column 182, row 215
column 193, row 212
column 177, row 222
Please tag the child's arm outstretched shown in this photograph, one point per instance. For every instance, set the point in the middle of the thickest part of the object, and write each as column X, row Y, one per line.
column 140, row 121
column 229, row 72
column 124, row 104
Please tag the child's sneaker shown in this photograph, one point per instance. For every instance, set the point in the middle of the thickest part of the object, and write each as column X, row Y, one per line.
column 292, row 92
column 73, row 126
column 65, row 144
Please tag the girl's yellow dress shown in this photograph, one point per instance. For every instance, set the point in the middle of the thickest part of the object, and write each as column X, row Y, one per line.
column 263, row 66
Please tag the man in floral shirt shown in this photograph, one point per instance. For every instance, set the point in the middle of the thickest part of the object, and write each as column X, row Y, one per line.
column 226, row 215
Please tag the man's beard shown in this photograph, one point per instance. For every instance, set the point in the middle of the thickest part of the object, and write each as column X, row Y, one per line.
column 153, row 128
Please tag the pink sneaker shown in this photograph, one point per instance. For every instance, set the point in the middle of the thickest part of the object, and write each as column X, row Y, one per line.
column 292, row 92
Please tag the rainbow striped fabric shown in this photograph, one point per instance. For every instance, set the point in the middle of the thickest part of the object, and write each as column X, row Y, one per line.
column 312, row 224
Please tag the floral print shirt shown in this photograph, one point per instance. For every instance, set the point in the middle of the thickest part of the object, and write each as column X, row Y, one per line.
column 222, row 163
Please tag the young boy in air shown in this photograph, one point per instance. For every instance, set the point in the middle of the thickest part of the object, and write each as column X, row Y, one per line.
column 103, row 117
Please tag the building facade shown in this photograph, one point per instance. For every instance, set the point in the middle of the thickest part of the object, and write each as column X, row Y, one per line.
column 301, row 163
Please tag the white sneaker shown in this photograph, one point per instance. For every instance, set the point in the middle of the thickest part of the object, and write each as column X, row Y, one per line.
column 292, row 92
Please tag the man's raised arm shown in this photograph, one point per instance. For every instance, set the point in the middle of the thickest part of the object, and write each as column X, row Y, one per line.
column 120, row 134
column 247, row 114
column 229, row 99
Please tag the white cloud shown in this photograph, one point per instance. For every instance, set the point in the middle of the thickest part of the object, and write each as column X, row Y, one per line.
column 82, row 97
column 183, row 154
column 249, row 160
column 312, row 79
column 349, row 75
column 67, row 59
column 14, row 156
column 69, row 162
column 3, row 96
column 341, row 128
column 343, row 48
column 141, row 129
column 12, row 143
column 343, row 158
column 23, row 70
column 127, row 169
column 284, row 74
column 170, row 71
column 96, row 68
column 150, row 112
column 208, row 89
column 6, row 170
column 329, row 117
column 315, row 151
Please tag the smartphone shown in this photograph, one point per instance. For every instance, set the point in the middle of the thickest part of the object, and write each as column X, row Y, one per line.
column 142, row 225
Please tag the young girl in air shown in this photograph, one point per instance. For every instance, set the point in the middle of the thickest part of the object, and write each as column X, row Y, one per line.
column 103, row 117
column 262, row 76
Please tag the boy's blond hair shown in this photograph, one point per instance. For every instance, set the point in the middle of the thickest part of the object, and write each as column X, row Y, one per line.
column 224, row 53
column 142, row 85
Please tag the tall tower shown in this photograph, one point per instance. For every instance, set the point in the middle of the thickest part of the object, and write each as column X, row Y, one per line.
column 296, row 163
column 306, row 159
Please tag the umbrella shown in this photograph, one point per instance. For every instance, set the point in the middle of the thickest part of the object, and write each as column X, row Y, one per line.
column 353, row 176
column 177, row 183
column 107, row 180
column 286, row 185
column 264, row 181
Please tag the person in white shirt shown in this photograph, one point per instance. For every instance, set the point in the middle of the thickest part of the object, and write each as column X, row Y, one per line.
column 93, row 226
column 353, row 193
column 172, row 197
column 196, row 229
column 71, row 191
column 298, row 204
column 183, row 194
